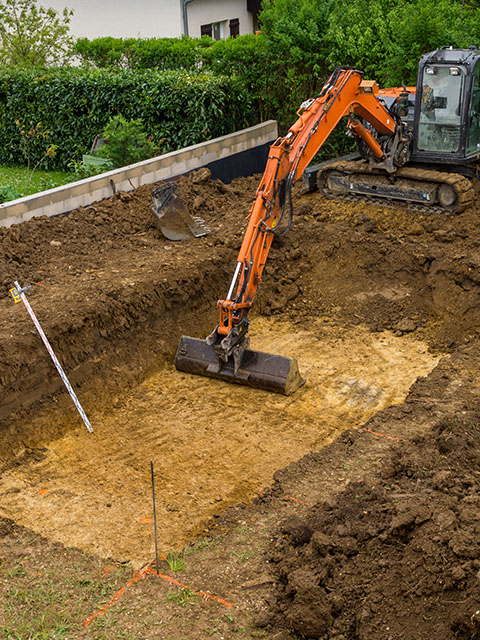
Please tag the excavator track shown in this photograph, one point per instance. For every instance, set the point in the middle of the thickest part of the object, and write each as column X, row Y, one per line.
column 427, row 191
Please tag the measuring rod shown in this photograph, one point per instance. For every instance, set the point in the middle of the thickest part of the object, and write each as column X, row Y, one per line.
column 19, row 294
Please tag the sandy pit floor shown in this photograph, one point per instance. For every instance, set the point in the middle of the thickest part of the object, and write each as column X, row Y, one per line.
column 213, row 444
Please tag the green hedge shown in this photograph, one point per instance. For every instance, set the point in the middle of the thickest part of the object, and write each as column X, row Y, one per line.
column 277, row 73
column 176, row 107
column 301, row 42
column 140, row 53
column 249, row 58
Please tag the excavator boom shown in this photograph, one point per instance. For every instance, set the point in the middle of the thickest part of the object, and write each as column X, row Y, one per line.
column 225, row 353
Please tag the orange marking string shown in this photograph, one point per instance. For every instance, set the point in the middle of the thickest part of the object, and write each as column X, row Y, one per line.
column 116, row 596
column 382, row 435
column 138, row 576
column 295, row 499
column 185, row 586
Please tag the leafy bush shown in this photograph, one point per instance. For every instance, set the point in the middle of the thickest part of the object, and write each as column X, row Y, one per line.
column 126, row 142
column 8, row 193
column 245, row 57
column 140, row 53
column 82, row 169
column 74, row 105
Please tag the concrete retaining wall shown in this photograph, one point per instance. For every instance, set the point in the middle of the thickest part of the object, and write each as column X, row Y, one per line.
column 231, row 148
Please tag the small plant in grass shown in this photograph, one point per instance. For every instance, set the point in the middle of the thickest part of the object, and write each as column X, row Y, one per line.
column 17, row 570
column 473, row 426
column 83, row 169
column 31, row 140
column 176, row 561
column 241, row 557
column 183, row 597
column 8, row 193
column 200, row 545
column 222, row 625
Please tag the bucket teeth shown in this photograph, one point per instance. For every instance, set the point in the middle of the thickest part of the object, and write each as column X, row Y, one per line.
column 203, row 227
column 256, row 369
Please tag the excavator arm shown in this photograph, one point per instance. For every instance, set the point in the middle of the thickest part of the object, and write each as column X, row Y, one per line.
column 344, row 94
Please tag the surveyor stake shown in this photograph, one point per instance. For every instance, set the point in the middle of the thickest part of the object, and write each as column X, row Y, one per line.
column 18, row 293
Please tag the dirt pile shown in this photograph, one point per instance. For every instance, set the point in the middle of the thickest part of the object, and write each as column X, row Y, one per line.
column 62, row 248
column 381, row 266
column 398, row 556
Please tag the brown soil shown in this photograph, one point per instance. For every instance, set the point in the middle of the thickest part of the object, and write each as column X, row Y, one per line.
column 369, row 537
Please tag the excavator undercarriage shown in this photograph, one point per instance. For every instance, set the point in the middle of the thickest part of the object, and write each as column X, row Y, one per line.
column 432, row 191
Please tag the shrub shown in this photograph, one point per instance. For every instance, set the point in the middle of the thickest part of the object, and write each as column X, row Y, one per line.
column 8, row 193
column 74, row 105
column 301, row 42
column 126, row 142
column 140, row 53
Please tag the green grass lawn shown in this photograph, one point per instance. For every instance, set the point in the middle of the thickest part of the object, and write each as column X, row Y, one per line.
column 17, row 179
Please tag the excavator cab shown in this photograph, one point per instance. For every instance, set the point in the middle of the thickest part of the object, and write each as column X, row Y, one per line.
column 447, row 107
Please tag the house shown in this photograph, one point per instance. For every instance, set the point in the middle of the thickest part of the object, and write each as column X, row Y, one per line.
column 159, row 18
column 220, row 19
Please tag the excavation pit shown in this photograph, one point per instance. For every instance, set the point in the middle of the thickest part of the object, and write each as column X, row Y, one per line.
column 213, row 444
column 380, row 307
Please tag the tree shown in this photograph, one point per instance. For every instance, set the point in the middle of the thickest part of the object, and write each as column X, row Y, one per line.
column 424, row 25
column 358, row 35
column 386, row 38
column 32, row 35
column 295, row 42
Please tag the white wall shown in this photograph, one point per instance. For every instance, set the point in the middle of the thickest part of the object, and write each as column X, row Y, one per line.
column 207, row 11
column 85, row 192
column 122, row 18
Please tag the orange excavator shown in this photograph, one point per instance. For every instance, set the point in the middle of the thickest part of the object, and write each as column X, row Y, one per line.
column 436, row 123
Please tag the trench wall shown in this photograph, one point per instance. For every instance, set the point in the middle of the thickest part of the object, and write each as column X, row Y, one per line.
column 241, row 153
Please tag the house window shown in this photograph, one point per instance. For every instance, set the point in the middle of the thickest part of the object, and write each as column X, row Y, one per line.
column 218, row 29
column 215, row 30
column 234, row 25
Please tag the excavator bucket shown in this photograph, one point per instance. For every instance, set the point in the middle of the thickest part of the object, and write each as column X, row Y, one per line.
column 257, row 369
column 172, row 217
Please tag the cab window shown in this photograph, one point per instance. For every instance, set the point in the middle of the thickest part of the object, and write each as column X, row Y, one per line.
column 473, row 139
column 440, row 111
